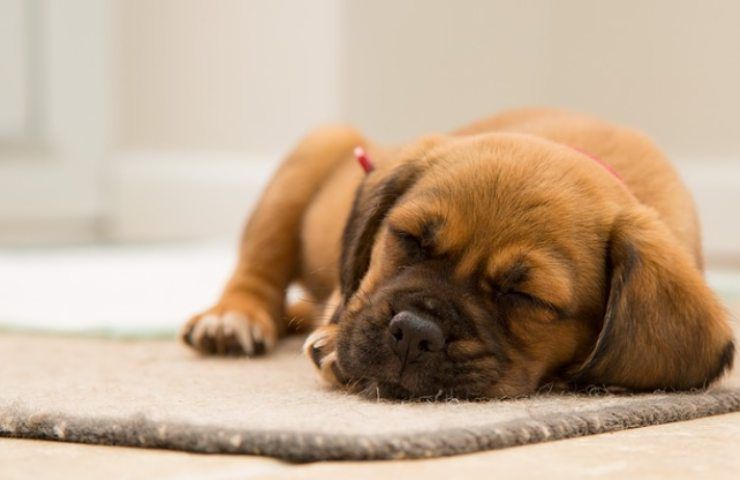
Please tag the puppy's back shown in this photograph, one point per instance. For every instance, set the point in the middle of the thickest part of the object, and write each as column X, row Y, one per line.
column 640, row 164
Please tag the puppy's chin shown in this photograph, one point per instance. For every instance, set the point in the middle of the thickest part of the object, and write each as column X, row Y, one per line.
column 376, row 390
column 385, row 390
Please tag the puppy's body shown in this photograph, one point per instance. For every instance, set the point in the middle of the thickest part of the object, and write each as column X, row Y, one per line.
column 528, row 192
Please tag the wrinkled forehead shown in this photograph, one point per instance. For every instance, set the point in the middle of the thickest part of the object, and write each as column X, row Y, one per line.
column 496, row 220
column 486, row 203
column 506, row 257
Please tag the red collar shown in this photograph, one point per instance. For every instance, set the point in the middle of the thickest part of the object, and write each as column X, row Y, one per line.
column 596, row 159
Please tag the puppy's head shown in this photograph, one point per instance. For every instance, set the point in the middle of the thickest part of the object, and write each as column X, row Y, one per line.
column 491, row 265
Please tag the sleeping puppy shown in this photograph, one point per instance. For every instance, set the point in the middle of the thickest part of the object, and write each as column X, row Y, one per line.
column 534, row 248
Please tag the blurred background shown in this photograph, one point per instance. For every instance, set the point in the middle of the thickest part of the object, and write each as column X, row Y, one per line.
column 136, row 134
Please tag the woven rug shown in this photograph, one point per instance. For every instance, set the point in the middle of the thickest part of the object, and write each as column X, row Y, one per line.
column 157, row 394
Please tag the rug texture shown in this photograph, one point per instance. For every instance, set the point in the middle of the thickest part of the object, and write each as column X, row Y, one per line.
column 158, row 394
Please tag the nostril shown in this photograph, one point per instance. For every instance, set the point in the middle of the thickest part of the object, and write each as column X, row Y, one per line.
column 397, row 333
column 414, row 335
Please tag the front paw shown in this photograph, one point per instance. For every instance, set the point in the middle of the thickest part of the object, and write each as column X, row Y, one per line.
column 231, row 330
column 320, row 348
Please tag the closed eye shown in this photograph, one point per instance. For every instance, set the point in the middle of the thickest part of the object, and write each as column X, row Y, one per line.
column 519, row 296
column 414, row 246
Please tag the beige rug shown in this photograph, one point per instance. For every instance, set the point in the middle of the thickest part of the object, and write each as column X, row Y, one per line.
column 155, row 393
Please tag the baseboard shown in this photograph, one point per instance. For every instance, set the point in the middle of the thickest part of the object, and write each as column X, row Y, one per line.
column 182, row 196
column 715, row 185
column 44, row 203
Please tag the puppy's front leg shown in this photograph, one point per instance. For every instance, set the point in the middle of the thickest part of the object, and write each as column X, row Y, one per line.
column 249, row 317
column 320, row 348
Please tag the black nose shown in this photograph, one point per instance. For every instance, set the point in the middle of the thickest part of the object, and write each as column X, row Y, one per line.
column 414, row 335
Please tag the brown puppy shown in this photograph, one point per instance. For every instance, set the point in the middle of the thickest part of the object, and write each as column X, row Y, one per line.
column 537, row 247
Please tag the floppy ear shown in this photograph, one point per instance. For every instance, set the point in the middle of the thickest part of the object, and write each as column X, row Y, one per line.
column 663, row 327
column 375, row 197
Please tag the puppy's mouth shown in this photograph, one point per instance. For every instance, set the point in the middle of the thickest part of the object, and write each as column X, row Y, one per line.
column 380, row 362
column 385, row 376
column 400, row 386
column 400, row 350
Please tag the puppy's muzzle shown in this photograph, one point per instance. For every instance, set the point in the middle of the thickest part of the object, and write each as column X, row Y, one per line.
column 414, row 337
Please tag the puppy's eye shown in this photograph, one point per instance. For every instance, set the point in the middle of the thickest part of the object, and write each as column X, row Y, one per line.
column 496, row 291
column 505, row 293
column 517, row 295
column 413, row 245
column 514, row 297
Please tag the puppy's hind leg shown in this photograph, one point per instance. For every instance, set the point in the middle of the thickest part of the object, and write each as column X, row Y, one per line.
column 249, row 317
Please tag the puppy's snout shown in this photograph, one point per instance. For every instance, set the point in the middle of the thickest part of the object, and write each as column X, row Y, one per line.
column 412, row 336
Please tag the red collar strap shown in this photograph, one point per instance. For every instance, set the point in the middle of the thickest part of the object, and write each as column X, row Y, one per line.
column 363, row 159
column 596, row 159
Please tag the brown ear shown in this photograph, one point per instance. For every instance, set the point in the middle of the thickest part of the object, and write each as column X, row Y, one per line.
column 663, row 327
column 375, row 197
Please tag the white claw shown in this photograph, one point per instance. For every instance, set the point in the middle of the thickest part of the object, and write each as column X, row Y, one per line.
column 310, row 342
column 327, row 361
column 231, row 324
column 228, row 328
column 257, row 334
column 268, row 341
column 212, row 325
column 240, row 324
column 201, row 327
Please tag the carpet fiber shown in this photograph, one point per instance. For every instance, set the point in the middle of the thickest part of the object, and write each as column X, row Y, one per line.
column 157, row 394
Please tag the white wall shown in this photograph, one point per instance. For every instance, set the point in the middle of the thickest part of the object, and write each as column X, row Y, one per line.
column 670, row 68
column 211, row 96
column 226, row 75
column 253, row 75
column 163, row 117
column 233, row 80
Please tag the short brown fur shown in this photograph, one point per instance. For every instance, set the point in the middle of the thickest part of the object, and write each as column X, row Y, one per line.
column 539, row 265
